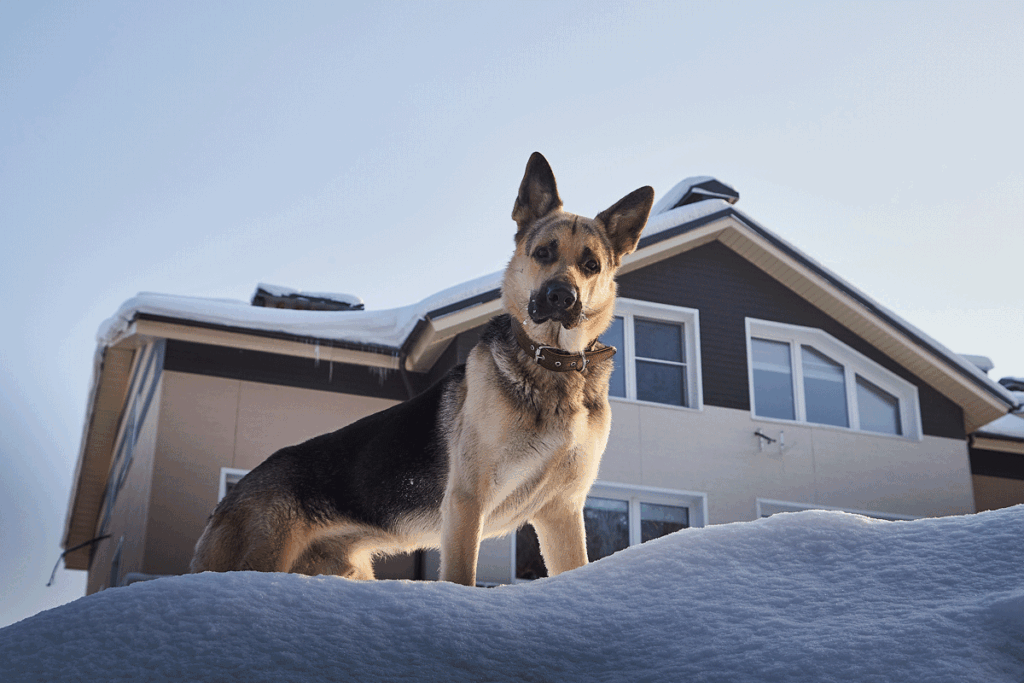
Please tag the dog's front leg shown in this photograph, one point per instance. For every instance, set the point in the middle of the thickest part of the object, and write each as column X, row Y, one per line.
column 562, row 535
column 461, row 527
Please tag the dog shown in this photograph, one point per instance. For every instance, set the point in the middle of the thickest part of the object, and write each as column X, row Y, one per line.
column 513, row 436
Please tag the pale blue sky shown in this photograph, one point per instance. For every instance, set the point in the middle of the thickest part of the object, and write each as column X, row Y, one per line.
column 198, row 148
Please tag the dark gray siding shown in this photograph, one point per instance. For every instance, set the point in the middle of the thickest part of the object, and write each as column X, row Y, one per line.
column 997, row 463
column 290, row 371
column 726, row 289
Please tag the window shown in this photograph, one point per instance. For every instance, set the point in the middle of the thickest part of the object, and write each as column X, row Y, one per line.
column 616, row 516
column 228, row 478
column 806, row 375
column 659, row 358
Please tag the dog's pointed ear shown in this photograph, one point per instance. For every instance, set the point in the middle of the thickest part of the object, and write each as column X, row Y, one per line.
column 538, row 194
column 624, row 220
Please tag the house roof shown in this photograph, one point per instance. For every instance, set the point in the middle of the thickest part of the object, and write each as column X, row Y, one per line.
column 414, row 336
column 418, row 329
column 1006, row 433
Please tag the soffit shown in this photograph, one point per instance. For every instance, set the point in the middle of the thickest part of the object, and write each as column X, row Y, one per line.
column 93, row 467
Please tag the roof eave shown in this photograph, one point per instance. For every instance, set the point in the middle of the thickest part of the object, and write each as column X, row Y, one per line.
column 111, row 377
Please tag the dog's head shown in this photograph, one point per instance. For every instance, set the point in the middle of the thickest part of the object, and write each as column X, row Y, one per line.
column 561, row 280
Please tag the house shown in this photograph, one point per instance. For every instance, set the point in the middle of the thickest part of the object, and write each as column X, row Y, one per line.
column 997, row 456
column 750, row 381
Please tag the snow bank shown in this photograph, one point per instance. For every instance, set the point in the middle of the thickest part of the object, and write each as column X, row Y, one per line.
column 813, row 596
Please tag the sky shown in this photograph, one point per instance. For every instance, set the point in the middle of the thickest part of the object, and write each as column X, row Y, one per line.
column 198, row 149
column 796, row 598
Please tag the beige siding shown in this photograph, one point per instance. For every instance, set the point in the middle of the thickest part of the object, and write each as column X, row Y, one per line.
column 130, row 511
column 495, row 562
column 272, row 417
column 196, row 439
column 207, row 423
column 714, row 451
column 200, row 424
column 993, row 493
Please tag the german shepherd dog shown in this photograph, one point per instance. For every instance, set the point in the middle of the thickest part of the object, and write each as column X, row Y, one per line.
column 513, row 436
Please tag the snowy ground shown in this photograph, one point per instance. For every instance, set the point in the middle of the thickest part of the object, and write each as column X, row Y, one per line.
column 813, row 596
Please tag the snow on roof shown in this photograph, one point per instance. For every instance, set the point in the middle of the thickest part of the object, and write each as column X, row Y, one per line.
column 688, row 213
column 678, row 191
column 983, row 363
column 805, row 597
column 388, row 328
column 1008, row 426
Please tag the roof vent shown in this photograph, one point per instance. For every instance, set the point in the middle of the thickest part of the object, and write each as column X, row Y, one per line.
column 274, row 296
column 708, row 189
column 1013, row 383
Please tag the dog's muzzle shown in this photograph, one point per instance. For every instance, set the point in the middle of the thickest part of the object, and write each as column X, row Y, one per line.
column 556, row 300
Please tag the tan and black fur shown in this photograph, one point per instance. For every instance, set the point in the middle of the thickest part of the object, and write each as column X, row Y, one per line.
column 497, row 443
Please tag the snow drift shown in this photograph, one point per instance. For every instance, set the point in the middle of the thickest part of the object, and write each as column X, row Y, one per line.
column 812, row 596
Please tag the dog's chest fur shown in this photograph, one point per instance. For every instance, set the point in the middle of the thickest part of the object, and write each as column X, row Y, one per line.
column 538, row 434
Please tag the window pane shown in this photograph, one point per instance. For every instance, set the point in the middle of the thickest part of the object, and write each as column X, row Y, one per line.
column 663, row 341
column 529, row 563
column 824, row 389
column 879, row 410
column 607, row 524
column 773, row 379
column 658, row 520
column 615, row 337
column 661, row 382
column 231, row 479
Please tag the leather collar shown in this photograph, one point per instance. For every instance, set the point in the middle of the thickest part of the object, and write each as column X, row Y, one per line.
column 557, row 360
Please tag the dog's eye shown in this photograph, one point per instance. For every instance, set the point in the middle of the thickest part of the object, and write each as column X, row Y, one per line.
column 592, row 266
column 542, row 254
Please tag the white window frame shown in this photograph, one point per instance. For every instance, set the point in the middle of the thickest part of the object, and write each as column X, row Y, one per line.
column 695, row 502
column 766, row 507
column 629, row 310
column 854, row 363
column 225, row 474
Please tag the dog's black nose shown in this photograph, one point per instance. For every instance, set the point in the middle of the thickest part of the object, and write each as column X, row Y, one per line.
column 560, row 296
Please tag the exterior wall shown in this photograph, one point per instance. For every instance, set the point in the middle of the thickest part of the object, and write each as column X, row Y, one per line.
column 135, row 445
column 993, row 493
column 290, row 371
column 727, row 289
column 998, row 468
column 715, row 451
column 207, row 423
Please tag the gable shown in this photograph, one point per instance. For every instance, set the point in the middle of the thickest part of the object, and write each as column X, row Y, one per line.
column 726, row 289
